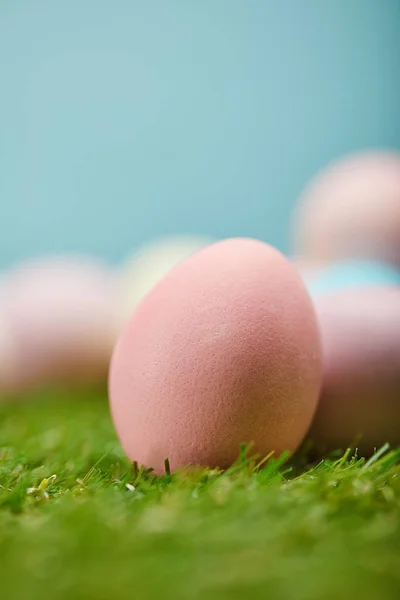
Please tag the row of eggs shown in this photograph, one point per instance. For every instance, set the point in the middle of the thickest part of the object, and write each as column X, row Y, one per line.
column 232, row 347
column 60, row 316
column 226, row 348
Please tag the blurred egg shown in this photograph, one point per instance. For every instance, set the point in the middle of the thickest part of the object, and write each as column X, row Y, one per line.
column 307, row 269
column 351, row 274
column 148, row 265
column 224, row 350
column 7, row 351
column 352, row 210
column 56, row 322
column 360, row 401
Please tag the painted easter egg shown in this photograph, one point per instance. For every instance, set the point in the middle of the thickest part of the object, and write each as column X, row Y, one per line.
column 352, row 210
column 360, row 400
column 56, row 322
column 351, row 274
column 148, row 265
column 224, row 350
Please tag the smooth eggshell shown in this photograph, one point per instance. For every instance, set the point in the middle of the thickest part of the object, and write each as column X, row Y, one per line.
column 148, row 265
column 224, row 350
column 360, row 401
column 56, row 322
column 352, row 210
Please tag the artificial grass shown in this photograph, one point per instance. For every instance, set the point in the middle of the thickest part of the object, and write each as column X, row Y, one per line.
column 100, row 530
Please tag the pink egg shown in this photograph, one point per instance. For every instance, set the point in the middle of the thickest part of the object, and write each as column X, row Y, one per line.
column 352, row 210
column 360, row 401
column 56, row 322
column 224, row 350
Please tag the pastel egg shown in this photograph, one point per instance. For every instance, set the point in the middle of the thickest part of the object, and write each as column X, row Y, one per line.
column 351, row 274
column 56, row 322
column 352, row 210
column 224, row 350
column 148, row 265
column 7, row 352
column 307, row 269
column 360, row 400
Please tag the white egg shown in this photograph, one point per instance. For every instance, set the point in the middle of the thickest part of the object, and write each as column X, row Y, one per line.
column 147, row 266
column 56, row 322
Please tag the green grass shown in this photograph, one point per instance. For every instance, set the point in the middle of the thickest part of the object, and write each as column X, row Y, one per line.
column 77, row 522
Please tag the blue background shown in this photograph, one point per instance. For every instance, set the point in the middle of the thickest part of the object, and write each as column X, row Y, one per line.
column 122, row 120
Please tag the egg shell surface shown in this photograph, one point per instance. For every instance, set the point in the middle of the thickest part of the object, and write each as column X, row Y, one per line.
column 351, row 209
column 224, row 350
column 56, row 322
column 360, row 399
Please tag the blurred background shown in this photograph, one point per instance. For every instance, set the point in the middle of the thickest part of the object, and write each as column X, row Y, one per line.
column 122, row 121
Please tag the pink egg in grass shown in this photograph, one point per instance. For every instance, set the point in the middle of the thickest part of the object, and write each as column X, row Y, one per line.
column 351, row 210
column 56, row 322
column 224, row 350
column 360, row 400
